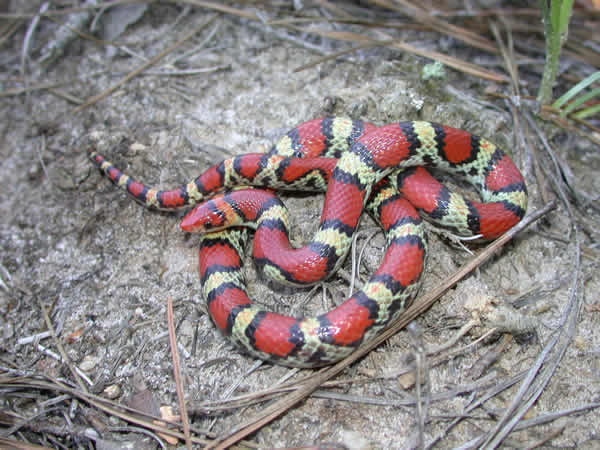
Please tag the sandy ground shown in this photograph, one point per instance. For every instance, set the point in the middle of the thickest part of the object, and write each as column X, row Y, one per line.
column 104, row 266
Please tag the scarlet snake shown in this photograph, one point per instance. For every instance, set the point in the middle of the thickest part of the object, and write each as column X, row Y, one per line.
column 365, row 155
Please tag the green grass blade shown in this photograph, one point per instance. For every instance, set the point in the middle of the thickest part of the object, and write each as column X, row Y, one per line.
column 576, row 90
column 566, row 7
column 555, row 15
column 580, row 101
column 588, row 112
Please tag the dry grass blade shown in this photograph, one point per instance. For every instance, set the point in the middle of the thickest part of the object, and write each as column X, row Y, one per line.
column 421, row 305
column 177, row 374
column 508, row 56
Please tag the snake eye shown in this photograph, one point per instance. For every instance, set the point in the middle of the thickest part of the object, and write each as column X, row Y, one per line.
column 211, row 215
column 215, row 218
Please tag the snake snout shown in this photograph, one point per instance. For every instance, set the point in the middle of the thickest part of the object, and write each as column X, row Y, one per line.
column 198, row 220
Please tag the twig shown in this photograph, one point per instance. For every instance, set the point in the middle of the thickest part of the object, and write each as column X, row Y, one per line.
column 5, row 278
column 29, row 36
column 479, row 385
column 276, row 409
column 34, row 338
column 187, row 72
column 177, row 374
column 546, row 418
column 455, row 63
column 537, row 168
column 201, row 46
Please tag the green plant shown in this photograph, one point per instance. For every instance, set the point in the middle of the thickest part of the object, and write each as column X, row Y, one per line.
column 555, row 16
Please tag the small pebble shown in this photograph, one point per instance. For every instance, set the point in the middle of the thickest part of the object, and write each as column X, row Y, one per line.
column 113, row 391
column 88, row 363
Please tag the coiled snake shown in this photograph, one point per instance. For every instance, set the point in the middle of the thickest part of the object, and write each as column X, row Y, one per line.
column 358, row 165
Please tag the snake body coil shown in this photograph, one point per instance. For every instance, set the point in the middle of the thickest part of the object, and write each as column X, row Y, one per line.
column 354, row 162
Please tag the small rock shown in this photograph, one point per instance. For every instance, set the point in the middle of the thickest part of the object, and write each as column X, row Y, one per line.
column 137, row 146
column 88, row 363
column 113, row 391
column 407, row 380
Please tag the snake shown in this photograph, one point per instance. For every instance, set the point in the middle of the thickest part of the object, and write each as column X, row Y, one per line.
column 358, row 166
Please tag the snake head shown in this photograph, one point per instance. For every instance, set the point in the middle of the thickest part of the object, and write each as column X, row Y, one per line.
column 212, row 215
column 238, row 207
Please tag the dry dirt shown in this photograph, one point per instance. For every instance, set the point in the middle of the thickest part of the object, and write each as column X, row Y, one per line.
column 104, row 266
